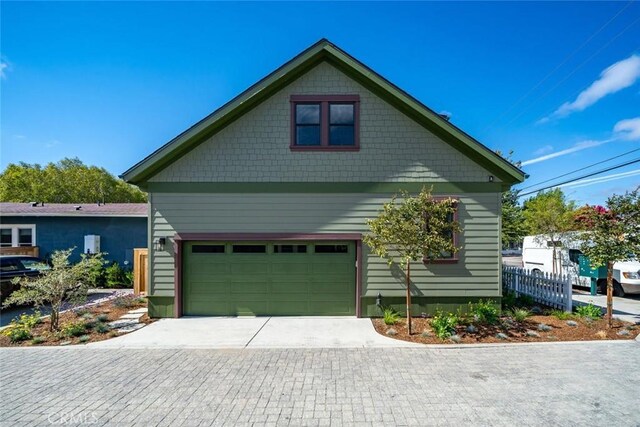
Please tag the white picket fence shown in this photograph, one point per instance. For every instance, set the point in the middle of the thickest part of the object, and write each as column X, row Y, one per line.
column 545, row 288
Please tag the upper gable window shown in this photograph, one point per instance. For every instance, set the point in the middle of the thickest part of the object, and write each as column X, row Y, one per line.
column 325, row 122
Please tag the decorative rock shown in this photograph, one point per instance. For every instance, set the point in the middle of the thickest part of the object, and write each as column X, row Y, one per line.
column 121, row 323
column 533, row 334
column 139, row 310
column 536, row 310
column 471, row 329
column 502, row 336
column 131, row 328
column 572, row 323
column 455, row 338
column 552, row 337
column 132, row 315
column 392, row 331
column 623, row 333
column 426, row 334
column 544, row 328
column 65, row 343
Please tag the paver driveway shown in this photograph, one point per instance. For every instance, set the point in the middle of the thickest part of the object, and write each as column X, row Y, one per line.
column 523, row 385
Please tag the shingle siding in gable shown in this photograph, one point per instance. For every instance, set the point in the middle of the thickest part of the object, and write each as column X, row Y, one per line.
column 256, row 147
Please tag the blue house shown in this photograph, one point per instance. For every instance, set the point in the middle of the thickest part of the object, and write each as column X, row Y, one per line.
column 41, row 228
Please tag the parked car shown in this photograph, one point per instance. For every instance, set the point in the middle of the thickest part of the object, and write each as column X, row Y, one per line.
column 537, row 255
column 12, row 266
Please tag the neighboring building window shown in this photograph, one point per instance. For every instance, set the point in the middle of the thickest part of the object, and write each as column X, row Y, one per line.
column 17, row 235
column 325, row 122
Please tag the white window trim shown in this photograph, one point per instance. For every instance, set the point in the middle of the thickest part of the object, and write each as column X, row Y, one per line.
column 15, row 237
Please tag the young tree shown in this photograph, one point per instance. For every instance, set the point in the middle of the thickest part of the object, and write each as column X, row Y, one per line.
column 62, row 285
column 550, row 215
column 613, row 235
column 413, row 229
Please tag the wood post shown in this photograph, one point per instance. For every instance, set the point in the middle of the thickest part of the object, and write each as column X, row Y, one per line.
column 140, row 270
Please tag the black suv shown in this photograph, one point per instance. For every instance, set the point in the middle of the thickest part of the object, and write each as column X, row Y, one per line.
column 18, row 266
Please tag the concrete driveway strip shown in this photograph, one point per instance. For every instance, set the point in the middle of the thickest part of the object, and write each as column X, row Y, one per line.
column 190, row 332
column 256, row 332
column 584, row 384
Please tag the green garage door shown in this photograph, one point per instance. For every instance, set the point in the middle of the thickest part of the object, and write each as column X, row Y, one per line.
column 269, row 278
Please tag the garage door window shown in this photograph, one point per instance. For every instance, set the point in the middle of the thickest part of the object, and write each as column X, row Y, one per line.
column 249, row 249
column 289, row 249
column 332, row 249
column 207, row 249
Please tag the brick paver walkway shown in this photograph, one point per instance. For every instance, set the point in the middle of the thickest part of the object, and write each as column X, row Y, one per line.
column 586, row 384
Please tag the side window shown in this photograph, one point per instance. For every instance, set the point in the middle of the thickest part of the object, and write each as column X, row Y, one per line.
column 574, row 255
column 9, row 265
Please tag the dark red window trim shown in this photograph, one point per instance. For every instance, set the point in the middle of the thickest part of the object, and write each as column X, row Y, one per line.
column 180, row 238
column 324, row 101
column 456, row 237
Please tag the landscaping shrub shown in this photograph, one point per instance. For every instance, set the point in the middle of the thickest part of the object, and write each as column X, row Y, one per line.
column 37, row 340
column 561, row 314
column 444, row 324
column 102, row 328
column 84, row 338
column 519, row 314
column 74, row 329
column 509, row 299
column 484, row 312
column 590, row 311
column 118, row 277
column 390, row 316
column 102, row 317
column 20, row 328
column 128, row 301
column 524, row 301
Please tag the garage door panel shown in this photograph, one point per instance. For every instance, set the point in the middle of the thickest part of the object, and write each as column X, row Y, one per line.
column 270, row 283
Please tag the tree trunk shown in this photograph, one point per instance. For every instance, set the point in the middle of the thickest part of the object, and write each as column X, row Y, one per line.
column 609, row 294
column 409, row 297
column 54, row 320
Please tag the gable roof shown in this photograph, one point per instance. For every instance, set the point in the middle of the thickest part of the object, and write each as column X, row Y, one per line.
column 74, row 209
column 323, row 50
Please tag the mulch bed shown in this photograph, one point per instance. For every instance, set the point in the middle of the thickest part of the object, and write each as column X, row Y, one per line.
column 586, row 330
column 54, row 339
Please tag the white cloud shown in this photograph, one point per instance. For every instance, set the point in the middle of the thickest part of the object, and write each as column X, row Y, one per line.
column 543, row 150
column 628, row 129
column 579, row 146
column 3, row 67
column 618, row 76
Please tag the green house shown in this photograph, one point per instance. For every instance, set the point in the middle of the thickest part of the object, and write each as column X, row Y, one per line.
column 260, row 208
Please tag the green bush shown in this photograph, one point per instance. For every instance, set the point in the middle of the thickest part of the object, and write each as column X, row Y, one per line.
column 590, row 311
column 519, row 314
column 444, row 324
column 561, row 314
column 37, row 340
column 118, row 277
column 96, row 276
column 84, row 338
column 102, row 317
column 525, row 301
column 509, row 299
column 20, row 328
column 390, row 316
column 484, row 312
column 102, row 328
column 73, row 329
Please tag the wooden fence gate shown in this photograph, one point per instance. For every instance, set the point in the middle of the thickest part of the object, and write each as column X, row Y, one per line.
column 140, row 270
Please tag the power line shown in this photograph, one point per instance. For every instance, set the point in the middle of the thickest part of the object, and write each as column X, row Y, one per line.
column 582, row 177
column 581, row 169
column 557, row 67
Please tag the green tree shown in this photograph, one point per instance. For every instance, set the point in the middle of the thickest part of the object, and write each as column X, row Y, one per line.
column 550, row 215
column 613, row 235
column 413, row 229
column 61, row 286
column 513, row 223
column 67, row 181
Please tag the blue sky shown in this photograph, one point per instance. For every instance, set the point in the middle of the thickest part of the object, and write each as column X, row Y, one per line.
column 111, row 82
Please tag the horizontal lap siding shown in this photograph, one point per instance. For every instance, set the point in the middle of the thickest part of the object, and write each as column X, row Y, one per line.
column 476, row 274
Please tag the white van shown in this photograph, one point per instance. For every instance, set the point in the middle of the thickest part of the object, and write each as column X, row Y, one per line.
column 537, row 255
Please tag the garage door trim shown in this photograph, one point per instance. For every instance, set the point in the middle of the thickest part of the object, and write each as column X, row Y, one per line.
column 180, row 238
